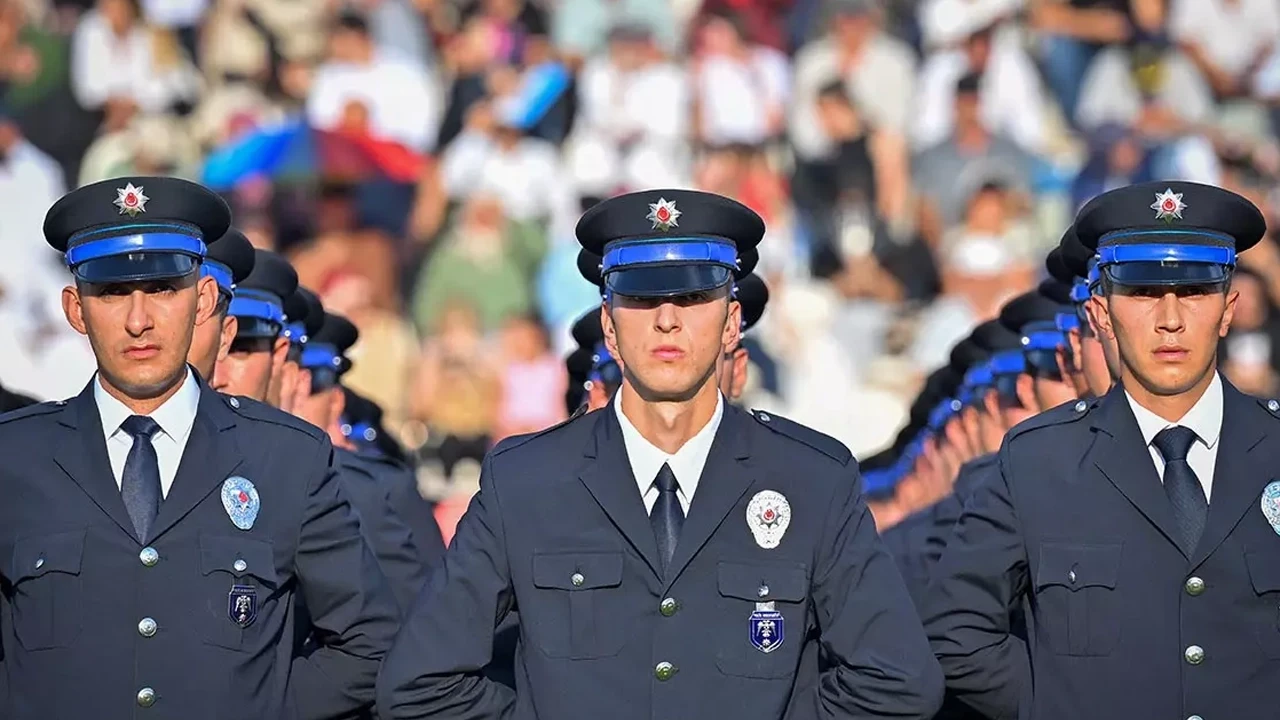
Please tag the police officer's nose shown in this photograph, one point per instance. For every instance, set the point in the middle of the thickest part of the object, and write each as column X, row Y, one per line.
column 667, row 318
column 139, row 319
column 1169, row 317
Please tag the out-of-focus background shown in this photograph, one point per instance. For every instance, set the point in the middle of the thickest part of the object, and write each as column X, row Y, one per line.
column 423, row 162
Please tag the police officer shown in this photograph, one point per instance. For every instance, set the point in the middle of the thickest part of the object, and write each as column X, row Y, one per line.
column 258, row 351
column 1034, row 317
column 1099, row 359
column 324, row 359
column 1138, row 525
column 303, row 317
column 157, row 532
column 628, row 609
column 753, row 296
column 229, row 261
column 1058, row 288
column 378, row 454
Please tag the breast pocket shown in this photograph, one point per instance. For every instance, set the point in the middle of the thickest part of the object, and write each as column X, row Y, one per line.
column 240, row 582
column 570, row 616
column 1264, row 573
column 1078, row 606
column 763, row 620
column 47, row 591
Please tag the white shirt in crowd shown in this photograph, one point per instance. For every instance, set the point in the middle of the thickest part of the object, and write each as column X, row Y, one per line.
column 1204, row 418
column 175, row 417
column 104, row 65
column 686, row 464
column 735, row 97
column 402, row 99
column 528, row 178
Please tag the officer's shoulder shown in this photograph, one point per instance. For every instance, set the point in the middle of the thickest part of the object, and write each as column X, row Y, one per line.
column 1064, row 414
column 260, row 412
column 804, row 435
column 1271, row 405
column 980, row 463
column 550, row 433
column 32, row 411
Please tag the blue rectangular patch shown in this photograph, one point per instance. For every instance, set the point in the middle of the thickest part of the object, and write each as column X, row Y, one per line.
column 242, row 605
column 767, row 630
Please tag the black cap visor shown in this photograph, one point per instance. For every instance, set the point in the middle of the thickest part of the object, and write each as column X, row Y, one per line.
column 1166, row 273
column 658, row 281
column 255, row 327
column 136, row 267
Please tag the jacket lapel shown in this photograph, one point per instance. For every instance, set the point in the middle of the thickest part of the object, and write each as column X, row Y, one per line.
column 725, row 478
column 210, row 456
column 1123, row 457
column 1242, row 468
column 82, row 455
column 611, row 482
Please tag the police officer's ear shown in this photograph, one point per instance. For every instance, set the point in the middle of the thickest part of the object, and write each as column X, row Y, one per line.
column 230, row 326
column 337, row 405
column 206, row 299
column 738, row 381
column 732, row 326
column 1026, row 390
column 610, row 333
column 1228, row 313
column 279, row 355
column 73, row 309
column 1099, row 317
column 991, row 404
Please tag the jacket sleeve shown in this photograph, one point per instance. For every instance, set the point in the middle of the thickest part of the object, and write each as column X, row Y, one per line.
column 353, row 612
column 435, row 669
column 880, row 663
column 977, row 586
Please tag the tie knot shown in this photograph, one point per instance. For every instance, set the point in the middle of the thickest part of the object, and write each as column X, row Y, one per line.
column 140, row 426
column 1174, row 443
column 666, row 480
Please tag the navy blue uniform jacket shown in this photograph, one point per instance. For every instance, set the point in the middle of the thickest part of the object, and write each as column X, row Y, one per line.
column 559, row 532
column 1123, row 624
column 78, row 586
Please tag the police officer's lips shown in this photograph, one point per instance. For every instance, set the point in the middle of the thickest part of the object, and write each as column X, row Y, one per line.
column 1171, row 353
column 142, row 351
column 668, row 353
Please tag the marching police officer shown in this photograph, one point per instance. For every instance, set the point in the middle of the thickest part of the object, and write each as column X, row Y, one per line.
column 1141, row 526
column 258, row 351
column 752, row 294
column 303, row 317
column 155, row 532
column 229, row 261
column 1097, row 354
column 628, row 609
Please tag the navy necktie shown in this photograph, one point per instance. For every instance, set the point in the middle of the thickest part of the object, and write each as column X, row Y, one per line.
column 1181, row 484
column 667, row 517
column 140, row 481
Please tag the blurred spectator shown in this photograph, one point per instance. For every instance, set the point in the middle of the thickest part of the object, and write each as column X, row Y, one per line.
column 1117, row 157
column 633, row 118
column 487, row 263
column 987, row 45
column 364, row 88
column 1073, row 31
column 740, row 88
column 1230, row 41
column 120, row 67
column 457, row 392
column 180, row 16
column 580, row 28
column 948, row 174
column 534, row 380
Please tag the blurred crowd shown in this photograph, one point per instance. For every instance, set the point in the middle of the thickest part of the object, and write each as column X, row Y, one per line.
column 914, row 161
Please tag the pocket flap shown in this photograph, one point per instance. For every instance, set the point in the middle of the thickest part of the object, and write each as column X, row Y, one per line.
column 1075, row 565
column 1264, row 571
column 764, row 582
column 41, row 554
column 238, row 556
column 577, row 570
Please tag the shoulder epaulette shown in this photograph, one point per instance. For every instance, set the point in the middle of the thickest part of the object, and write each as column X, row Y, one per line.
column 262, row 412
column 1065, row 413
column 43, row 408
column 516, row 441
column 824, row 444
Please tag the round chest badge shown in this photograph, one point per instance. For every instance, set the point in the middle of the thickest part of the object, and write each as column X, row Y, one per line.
column 1271, row 505
column 768, row 515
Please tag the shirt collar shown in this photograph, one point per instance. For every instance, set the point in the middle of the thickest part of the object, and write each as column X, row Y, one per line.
column 1204, row 418
column 687, row 463
column 175, row 417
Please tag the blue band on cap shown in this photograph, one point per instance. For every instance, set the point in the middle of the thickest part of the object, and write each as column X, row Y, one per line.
column 296, row 333
column 219, row 272
column 320, row 355
column 1209, row 254
column 966, row 396
column 1066, row 322
column 1043, row 340
column 255, row 308
column 159, row 242
column 1008, row 362
column 1080, row 291
column 978, row 377
column 670, row 250
column 359, row 431
column 943, row 412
